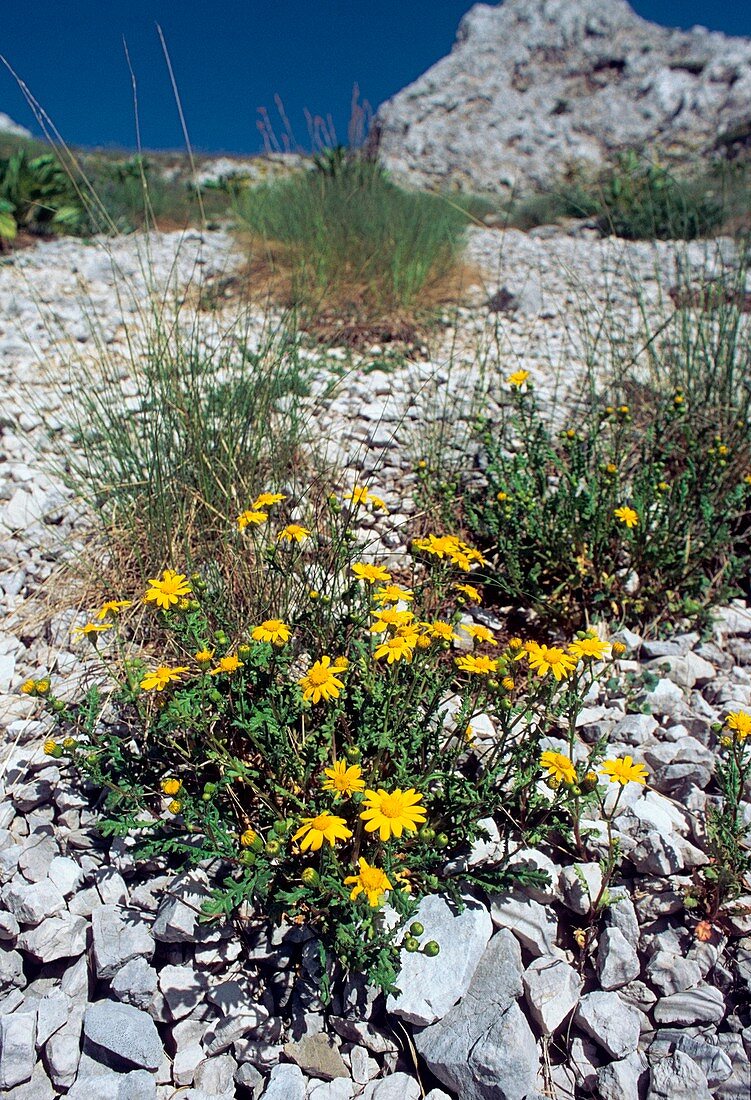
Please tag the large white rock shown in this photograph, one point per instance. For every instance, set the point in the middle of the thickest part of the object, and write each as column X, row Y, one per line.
column 430, row 986
column 533, row 87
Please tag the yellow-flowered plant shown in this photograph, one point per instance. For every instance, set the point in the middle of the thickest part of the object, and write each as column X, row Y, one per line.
column 338, row 750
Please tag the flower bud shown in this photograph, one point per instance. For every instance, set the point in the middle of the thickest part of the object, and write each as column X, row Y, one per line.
column 175, row 806
column 416, row 929
column 431, row 949
column 411, row 944
column 310, row 877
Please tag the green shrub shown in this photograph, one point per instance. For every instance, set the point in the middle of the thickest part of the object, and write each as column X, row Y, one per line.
column 553, row 521
column 326, row 756
column 346, row 231
column 39, row 195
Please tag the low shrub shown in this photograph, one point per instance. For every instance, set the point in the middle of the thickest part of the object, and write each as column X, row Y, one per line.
column 38, row 195
column 345, row 232
column 637, row 514
column 333, row 762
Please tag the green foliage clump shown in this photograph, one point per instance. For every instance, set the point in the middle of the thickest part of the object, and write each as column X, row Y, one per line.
column 346, row 229
column 325, row 761
column 38, row 196
column 638, row 514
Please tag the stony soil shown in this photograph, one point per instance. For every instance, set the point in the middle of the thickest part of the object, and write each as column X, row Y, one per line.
column 108, row 985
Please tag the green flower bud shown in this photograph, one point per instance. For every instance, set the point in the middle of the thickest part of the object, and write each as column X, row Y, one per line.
column 411, row 944
column 431, row 949
column 416, row 929
column 310, row 877
column 273, row 847
column 426, row 834
column 441, row 841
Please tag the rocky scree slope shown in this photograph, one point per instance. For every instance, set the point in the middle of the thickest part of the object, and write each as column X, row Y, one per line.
column 532, row 87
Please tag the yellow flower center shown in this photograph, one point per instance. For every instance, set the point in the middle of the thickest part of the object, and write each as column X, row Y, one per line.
column 321, row 822
column 372, row 879
column 319, row 675
column 392, row 806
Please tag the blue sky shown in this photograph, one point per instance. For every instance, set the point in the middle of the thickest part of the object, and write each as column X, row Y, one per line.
column 232, row 57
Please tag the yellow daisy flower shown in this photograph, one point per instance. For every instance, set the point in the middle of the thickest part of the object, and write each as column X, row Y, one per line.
column 160, row 677
column 441, row 630
column 293, row 532
column 469, row 591
column 558, row 766
column 112, row 607
column 364, row 571
column 90, row 629
column 203, row 656
column 167, row 590
column 228, row 664
column 321, row 681
column 390, row 617
column 326, row 826
column 740, row 722
column 589, row 649
column 627, row 515
column 251, row 518
column 371, row 881
column 479, row 633
column 479, row 664
column 544, row 659
column 266, row 500
column 392, row 593
column 518, row 378
column 170, row 786
column 397, row 648
column 390, row 814
column 271, row 630
column 343, row 778
column 623, row 770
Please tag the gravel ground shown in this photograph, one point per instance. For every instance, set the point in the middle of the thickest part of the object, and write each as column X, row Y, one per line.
column 104, row 972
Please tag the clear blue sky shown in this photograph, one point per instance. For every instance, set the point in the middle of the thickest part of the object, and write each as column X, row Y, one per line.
column 231, row 57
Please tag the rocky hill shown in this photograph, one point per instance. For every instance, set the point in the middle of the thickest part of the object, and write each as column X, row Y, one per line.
column 532, row 88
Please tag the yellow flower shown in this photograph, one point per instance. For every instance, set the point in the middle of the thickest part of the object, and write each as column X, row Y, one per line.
column 112, row 607
column 293, row 532
column 343, row 778
column 747, row 479
column 90, row 630
column 449, row 546
column 390, row 617
column 558, row 766
column 479, row 633
column 321, row 682
column 500, row 497
column 397, row 648
column 42, row 687
column 544, row 659
column 203, row 656
column 515, row 644
column 170, row 786
column 370, row 573
column 370, row 881
column 627, row 515
column 480, row 665
column 160, row 677
column 518, row 378
column 341, row 664
column 248, row 838
column 392, row 593
column 390, row 814
column 228, row 664
column 28, row 687
column 175, row 806
column 469, row 591
column 618, row 649
column 271, row 630
column 50, row 747
column 441, row 630
column 251, row 517
column 589, row 649
column 623, row 770
column 508, row 683
column 168, row 589
column 740, row 721
column 326, row 826
column 265, row 500
column 361, row 495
